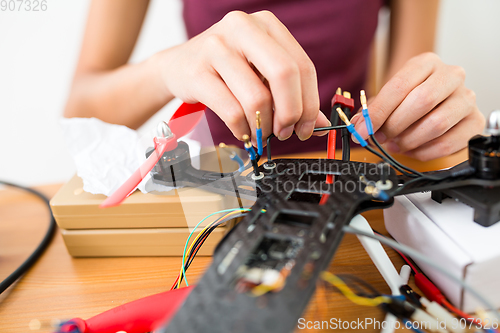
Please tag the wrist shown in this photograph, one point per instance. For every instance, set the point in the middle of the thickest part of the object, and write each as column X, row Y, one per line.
column 156, row 72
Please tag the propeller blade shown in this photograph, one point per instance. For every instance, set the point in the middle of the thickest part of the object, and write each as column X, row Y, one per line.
column 161, row 146
column 185, row 118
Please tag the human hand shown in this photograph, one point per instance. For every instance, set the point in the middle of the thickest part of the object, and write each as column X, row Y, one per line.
column 424, row 111
column 243, row 64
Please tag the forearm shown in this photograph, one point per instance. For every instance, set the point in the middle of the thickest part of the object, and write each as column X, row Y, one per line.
column 128, row 95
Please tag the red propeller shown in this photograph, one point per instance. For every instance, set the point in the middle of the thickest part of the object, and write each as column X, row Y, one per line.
column 182, row 122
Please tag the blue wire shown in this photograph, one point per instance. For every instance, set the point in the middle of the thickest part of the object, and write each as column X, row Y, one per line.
column 358, row 137
column 251, row 152
column 260, row 147
column 238, row 160
column 383, row 196
column 368, row 121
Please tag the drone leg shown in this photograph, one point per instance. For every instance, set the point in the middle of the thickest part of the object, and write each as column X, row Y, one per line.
column 383, row 264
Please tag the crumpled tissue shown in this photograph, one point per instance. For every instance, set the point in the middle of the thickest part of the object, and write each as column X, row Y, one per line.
column 106, row 155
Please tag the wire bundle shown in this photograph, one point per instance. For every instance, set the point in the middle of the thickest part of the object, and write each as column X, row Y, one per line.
column 189, row 255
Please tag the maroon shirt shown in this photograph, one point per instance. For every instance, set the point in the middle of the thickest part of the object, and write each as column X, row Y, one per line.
column 336, row 34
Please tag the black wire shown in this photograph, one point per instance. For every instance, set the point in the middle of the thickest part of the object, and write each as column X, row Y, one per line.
column 384, row 158
column 28, row 263
column 329, row 128
column 357, row 280
column 317, row 129
column 268, row 148
column 393, row 160
column 346, row 142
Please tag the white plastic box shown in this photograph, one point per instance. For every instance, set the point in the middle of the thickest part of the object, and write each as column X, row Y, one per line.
column 448, row 235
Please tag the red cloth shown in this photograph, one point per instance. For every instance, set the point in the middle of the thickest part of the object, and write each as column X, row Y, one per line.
column 336, row 34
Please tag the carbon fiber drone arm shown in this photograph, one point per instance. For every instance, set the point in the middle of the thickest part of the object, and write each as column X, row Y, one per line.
column 286, row 216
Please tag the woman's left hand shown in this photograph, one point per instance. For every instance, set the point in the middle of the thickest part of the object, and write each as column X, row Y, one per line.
column 424, row 111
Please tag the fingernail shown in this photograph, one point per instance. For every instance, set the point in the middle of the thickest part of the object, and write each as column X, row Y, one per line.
column 322, row 133
column 285, row 133
column 305, row 130
column 381, row 138
column 392, row 147
column 355, row 119
column 254, row 141
column 354, row 139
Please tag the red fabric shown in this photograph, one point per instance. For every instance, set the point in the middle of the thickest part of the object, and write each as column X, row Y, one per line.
column 336, row 34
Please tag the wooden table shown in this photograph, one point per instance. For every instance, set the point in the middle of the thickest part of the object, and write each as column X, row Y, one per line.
column 60, row 287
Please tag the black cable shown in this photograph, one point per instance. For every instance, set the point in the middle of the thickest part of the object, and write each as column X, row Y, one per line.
column 393, row 160
column 268, row 148
column 28, row 263
column 317, row 129
column 361, row 282
column 329, row 128
column 346, row 143
column 384, row 158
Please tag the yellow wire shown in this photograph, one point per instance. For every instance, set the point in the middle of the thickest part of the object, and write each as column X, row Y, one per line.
column 181, row 274
column 340, row 285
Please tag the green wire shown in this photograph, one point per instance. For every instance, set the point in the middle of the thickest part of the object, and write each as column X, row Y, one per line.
column 196, row 227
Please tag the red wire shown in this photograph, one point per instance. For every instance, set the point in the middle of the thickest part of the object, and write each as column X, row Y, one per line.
column 413, row 268
column 460, row 313
column 330, row 151
column 330, row 154
column 440, row 297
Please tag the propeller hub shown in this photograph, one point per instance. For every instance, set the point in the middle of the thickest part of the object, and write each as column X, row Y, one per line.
column 493, row 127
column 163, row 130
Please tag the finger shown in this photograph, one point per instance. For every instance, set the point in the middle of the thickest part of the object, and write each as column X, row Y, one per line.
column 308, row 78
column 277, row 66
column 421, row 100
column 437, row 122
column 245, row 85
column 413, row 73
column 321, row 121
column 452, row 141
column 220, row 99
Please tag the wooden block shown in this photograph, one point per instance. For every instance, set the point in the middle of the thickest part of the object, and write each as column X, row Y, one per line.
column 135, row 242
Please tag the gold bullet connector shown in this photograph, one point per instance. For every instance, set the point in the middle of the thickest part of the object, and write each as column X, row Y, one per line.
column 362, row 98
column 343, row 116
column 257, row 119
column 246, row 140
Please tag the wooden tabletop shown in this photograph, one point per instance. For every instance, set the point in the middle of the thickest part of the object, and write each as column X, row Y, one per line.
column 60, row 287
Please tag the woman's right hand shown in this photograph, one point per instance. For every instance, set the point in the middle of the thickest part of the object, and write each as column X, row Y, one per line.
column 243, row 64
